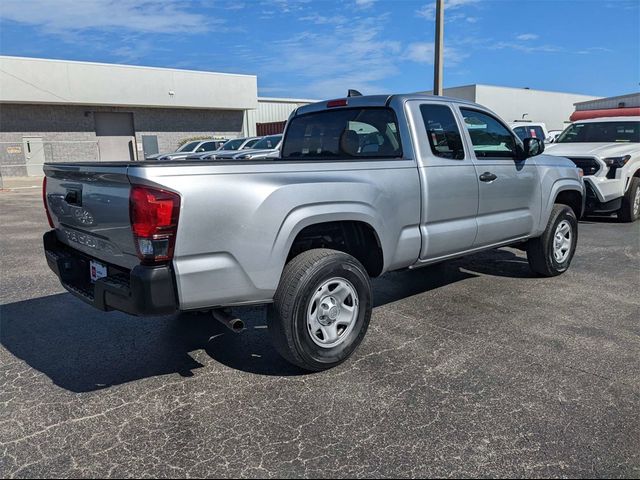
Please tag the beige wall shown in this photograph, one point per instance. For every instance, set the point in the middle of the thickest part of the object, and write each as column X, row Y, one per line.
column 29, row 80
column 552, row 108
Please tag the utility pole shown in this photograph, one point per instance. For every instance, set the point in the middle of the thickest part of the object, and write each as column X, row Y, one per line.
column 439, row 49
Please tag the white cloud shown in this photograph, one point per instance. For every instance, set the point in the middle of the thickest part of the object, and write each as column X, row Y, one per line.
column 322, row 65
column 64, row 16
column 365, row 3
column 527, row 36
column 527, row 48
column 428, row 11
column 285, row 6
column 423, row 52
column 318, row 19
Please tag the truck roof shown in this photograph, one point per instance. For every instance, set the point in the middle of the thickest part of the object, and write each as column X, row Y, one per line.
column 379, row 101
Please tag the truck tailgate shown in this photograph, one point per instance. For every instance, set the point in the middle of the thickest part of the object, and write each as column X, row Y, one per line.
column 89, row 206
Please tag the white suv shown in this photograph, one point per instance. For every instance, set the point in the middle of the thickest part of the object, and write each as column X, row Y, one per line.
column 608, row 152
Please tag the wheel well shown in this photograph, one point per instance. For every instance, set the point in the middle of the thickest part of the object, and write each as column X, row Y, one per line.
column 637, row 174
column 358, row 239
column 573, row 199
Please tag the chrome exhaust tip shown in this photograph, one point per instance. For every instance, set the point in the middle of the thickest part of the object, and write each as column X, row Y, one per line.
column 224, row 317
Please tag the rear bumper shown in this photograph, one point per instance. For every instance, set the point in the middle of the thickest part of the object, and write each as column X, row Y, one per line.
column 145, row 290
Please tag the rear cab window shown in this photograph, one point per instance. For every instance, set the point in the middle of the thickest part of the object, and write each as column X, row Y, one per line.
column 343, row 134
column 442, row 131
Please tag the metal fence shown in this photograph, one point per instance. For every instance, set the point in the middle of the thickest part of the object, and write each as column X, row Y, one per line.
column 26, row 158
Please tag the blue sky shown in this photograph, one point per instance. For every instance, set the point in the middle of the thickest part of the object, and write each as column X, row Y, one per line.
column 320, row 48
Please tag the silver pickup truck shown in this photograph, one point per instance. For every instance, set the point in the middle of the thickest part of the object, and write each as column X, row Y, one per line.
column 364, row 185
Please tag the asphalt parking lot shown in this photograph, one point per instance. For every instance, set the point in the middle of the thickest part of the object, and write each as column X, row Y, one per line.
column 470, row 368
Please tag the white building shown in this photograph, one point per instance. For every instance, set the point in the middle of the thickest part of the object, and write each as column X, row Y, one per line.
column 513, row 104
column 272, row 113
column 55, row 110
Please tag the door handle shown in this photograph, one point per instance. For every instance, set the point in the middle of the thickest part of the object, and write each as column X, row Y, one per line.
column 73, row 197
column 488, row 177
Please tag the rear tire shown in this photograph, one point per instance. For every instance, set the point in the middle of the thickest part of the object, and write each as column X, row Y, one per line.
column 551, row 253
column 321, row 310
column 630, row 211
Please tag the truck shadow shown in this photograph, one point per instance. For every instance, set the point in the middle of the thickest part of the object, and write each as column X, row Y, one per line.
column 81, row 349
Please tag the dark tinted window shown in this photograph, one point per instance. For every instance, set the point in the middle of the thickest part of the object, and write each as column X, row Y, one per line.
column 188, row 147
column 529, row 131
column 208, row 146
column 233, row 144
column 267, row 143
column 443, row 132
column 490, row 137
column 601, row 132
column 342, row 134
column 250, row 143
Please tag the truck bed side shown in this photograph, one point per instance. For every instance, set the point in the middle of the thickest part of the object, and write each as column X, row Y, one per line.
column 238, row 221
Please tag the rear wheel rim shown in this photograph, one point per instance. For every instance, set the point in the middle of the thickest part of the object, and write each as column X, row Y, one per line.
column 332, row 312
column 562, row 241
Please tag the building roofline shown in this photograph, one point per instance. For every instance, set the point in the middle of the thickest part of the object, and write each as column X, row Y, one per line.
column 122, row 65
column 287, row 100
column 531, row 89
column 476, row 85
column 617, row 97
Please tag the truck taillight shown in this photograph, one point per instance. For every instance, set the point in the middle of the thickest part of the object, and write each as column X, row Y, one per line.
column 44, row 201
column 154, row 222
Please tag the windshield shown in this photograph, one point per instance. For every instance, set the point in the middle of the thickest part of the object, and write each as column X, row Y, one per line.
column 343, row 134
column 188, row 147
column 268, row 142
column 250, row 143
column 233, row 144
column 601, row 132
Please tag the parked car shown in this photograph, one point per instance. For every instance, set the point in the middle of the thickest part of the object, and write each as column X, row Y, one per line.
column 228, row 148
column 365, row 185
column 189, row 148
column 526, row 129
column 266, row 147
column 608, row 151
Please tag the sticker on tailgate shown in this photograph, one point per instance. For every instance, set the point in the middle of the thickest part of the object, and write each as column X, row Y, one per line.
column 97, row 270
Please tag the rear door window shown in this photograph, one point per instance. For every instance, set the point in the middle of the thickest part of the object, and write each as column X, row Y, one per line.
column 343, row 134
column 442, row 131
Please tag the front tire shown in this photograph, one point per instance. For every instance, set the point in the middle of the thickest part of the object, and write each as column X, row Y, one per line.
column 630, row 211
column 551, row 253
column 321, row 310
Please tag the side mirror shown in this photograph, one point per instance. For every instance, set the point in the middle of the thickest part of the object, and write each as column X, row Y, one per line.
column 200, row 150
column 532, row 147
